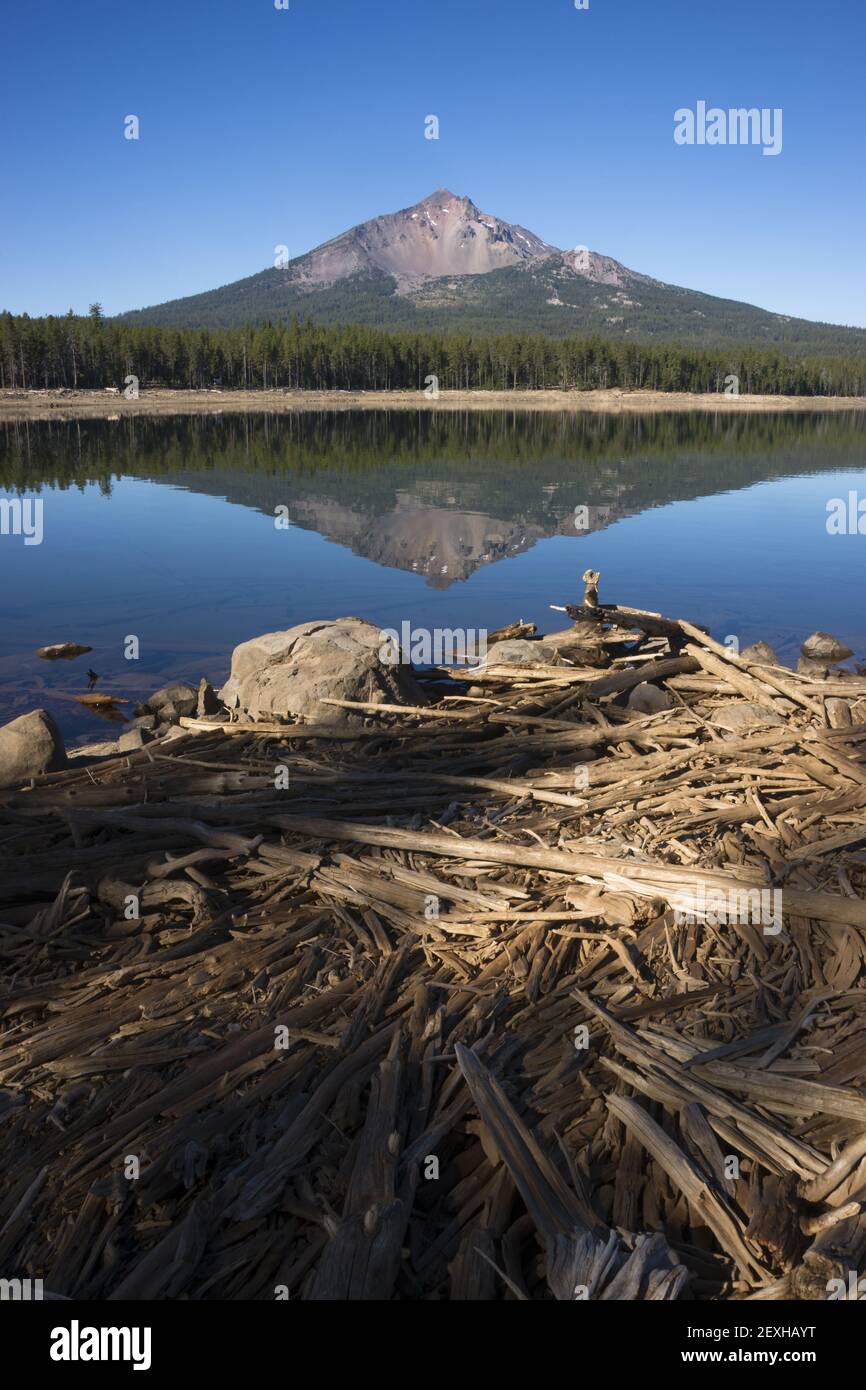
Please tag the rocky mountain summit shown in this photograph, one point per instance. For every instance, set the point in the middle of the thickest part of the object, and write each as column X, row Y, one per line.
column 442, row 235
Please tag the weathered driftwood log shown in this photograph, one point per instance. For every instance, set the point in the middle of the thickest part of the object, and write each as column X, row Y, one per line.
column 663, row 880
column 616, row 615
column 520, row 629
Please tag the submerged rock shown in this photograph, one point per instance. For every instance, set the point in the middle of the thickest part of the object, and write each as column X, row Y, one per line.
column 822, row 646
column 288, row 674
column 62, row 651
column 30, row 746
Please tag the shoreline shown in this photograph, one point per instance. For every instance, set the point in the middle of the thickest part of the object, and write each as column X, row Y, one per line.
column 18, row 406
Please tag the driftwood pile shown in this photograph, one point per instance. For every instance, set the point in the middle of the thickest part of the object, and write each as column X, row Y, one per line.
column 411, row 1009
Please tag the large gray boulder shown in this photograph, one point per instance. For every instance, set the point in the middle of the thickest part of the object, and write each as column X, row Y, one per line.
column 30, row 746
column 288, row 674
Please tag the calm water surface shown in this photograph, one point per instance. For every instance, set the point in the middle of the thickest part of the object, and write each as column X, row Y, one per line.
column 165, row 530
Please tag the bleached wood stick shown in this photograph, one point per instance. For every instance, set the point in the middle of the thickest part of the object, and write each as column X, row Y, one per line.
column 666, row 879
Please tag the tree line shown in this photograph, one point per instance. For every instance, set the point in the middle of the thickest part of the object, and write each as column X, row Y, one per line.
column 92, row 352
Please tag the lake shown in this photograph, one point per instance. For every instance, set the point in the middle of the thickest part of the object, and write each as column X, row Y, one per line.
column 165, row 530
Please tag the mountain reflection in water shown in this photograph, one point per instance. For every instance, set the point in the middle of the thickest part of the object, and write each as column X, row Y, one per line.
column 164, row 527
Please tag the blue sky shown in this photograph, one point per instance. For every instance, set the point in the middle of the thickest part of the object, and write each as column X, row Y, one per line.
column 262, row 127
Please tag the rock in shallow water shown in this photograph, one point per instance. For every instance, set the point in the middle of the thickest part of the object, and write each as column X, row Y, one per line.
column 62, row 651
column 30, row 746
column 171, row 702
column 285, row 674
column 821, row 646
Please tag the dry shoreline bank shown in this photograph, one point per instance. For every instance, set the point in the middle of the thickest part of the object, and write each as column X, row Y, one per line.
column 70, row 405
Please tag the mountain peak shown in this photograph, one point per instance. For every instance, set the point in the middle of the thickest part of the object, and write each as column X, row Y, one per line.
column 444, row 200
column 437, row 198
column 443, row 235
